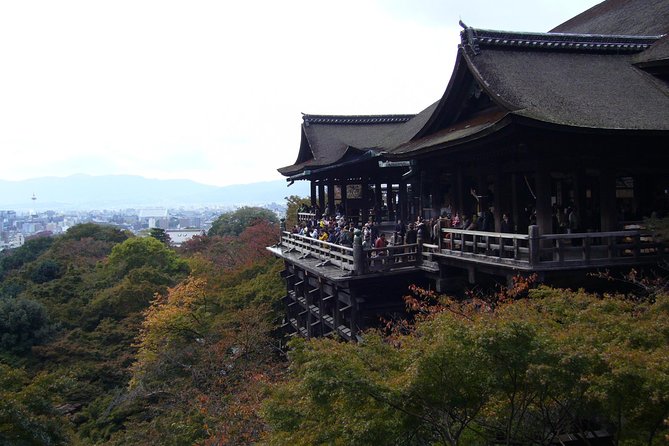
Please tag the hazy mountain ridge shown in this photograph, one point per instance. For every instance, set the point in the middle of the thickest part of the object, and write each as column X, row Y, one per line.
column 123, row 191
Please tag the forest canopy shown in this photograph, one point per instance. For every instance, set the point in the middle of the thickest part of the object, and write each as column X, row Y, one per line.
column 111, row 339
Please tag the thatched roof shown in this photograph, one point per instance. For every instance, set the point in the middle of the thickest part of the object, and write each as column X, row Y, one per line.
column 328, row 139
column 630, row 17
column 587, row 74
column 569, row 79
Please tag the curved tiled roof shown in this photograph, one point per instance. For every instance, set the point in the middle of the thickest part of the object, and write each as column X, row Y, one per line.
column 657, row 52
column 592, row 85
column 458, row 133
column 581, row 75
column 475, row 39
column 355, row 120
column 328, row 139
column 625, row 17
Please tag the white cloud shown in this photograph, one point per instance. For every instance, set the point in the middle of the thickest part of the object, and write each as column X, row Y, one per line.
column 212, row 90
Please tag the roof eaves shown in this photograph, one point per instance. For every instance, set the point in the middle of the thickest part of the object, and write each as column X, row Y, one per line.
column 355, row 119
column 459, row 134
column 474, row 39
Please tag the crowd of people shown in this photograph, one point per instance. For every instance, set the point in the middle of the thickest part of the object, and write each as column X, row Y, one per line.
column 339, row 229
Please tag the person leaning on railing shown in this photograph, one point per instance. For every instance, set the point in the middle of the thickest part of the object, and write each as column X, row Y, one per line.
column 346, row 237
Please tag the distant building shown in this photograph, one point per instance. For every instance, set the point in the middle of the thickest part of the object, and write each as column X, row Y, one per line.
column 14, row 241
column 154, row 217
column 180, row 236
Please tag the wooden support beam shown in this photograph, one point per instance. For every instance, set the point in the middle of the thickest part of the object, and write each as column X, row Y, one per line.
column 402, row 205
column 331, row 198
column 607, row 194
column 321, row 195
column 542, row 181
column 313, row 195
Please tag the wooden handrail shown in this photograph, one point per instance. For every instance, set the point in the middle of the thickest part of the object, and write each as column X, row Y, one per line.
column 338, row 255
column 485, row 233
column 533, row 250
column 577, row 235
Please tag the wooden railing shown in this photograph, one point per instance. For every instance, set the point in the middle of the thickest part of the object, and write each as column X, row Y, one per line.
column 531, row 251
column 356, row 259
column 305, row 216
column 597, row 248
column 551, row 250
column 329, row 253
column 390, row 257
column 486, row 244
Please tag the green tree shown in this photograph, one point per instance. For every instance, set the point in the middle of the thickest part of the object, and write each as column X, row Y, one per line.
column 144, row 252
column 234, row 223
column 45, row 271
column 23, row 323
column 16, row 258
column 293, row 205
column 28, row 409
column 95, row 231
column 522, row 372
column 160, row 235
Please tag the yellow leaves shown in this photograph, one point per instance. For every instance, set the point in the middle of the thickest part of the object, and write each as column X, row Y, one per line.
column 171, row 318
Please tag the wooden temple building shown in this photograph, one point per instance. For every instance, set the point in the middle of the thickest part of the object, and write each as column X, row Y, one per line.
column 530, row 125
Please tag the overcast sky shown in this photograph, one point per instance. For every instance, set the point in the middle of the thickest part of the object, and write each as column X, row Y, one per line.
column 213, row 90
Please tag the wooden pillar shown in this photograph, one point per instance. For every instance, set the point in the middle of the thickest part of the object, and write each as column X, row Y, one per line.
column 607, row 194
column 515, row 206
column 308, row 298
column 402, row 202
column 364, row 209
column 359, row 263
column 313, row 192
column 337, row 306
column 390, row 201
column 437, row 199
column 419, row 247
column 543, row 204
column 321, row 195
column 411, row 199
column 458, row 193
column 579, row 195
column 482, row 191
column 321, row 307
column 344, row 197
column 497, row 203
column 421, row 191
column 533, row 244
column 331, row 197
column 378, row 201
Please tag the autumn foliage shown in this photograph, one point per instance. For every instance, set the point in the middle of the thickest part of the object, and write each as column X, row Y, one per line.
column 481, row 371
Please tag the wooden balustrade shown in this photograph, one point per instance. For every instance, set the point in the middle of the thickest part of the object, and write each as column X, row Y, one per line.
column 551, row 250
column 391, row 257
column 370, row 260
column 305, row 216
column 486, row 244
column 528, row 251
column 598, row 248
column 337, row 255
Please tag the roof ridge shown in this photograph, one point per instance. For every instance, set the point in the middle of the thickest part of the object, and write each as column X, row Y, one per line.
column 355, row 119
column 473, row 39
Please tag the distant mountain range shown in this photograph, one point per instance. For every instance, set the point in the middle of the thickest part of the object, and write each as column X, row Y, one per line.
column 85, row 192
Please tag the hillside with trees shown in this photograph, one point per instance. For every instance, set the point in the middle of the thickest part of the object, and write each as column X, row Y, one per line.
column 111, row 339
column 107, row 338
